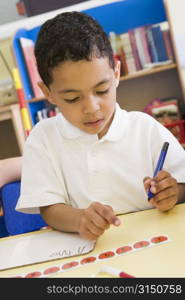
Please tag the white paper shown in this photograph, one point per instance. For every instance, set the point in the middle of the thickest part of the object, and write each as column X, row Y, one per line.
column 41, row 246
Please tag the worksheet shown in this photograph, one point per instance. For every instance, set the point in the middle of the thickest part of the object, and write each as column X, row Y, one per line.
column 41, row 246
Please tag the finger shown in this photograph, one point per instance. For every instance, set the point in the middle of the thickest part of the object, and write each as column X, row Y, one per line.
column 107, row 213
column 147, row 183
column 165, row 204
column 165, row 183
column 94, row 229
column 165, row 194
column 98, row 220
column 146, row 178
column 161, row 175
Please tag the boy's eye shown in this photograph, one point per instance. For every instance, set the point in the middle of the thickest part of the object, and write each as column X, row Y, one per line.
column 102, row 92
column 71, row 100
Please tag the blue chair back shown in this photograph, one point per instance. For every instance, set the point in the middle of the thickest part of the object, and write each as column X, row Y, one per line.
column 17, row 222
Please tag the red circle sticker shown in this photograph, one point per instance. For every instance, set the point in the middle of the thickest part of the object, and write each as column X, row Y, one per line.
column 106, row 254
column 141, row 244
column 51, row 270
column 33, row 275
column 87, row 260
column 159, row 239
column 123, row 249
column 70, row 265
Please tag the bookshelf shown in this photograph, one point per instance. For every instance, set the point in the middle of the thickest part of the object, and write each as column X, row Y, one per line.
column 135, row 90
column 142, row 73
column 11, row 127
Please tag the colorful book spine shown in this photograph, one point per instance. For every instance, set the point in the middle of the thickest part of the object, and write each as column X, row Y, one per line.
column 134, row 50
column 28, row 51
column 126, row 45
column 124, row 68
column 142, row 46
column 23, row 107
column 143, row 34
column 168, row 45
column 152, row 47
column 159, row 42
column 20, row 62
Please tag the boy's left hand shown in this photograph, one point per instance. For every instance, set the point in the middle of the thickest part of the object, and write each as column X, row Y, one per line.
column 165, row 190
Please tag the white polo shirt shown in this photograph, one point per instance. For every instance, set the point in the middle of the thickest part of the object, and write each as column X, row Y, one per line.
column 62, row 164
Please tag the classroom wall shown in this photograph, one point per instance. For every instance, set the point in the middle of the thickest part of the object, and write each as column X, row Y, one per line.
column 5, row 46
column 9, row 12
column 14, row 23
column 9, row 29
column 176, row 15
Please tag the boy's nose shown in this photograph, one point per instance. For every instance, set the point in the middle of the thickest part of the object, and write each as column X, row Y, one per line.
column 91, row 105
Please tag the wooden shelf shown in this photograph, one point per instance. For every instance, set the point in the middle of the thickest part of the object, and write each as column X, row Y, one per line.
column 143, row 73
column 12, row 112
column 138, row 74
column 36, row 100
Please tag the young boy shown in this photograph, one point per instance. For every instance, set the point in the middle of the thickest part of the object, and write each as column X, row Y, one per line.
column 87, row 165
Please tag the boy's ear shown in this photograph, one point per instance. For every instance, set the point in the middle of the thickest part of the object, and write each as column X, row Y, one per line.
column 46, row 91
column 117, row 71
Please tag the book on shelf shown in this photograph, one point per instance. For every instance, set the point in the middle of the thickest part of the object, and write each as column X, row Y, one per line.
column 167, row 112
column 159, row 43
column 124, row 67
column 126, row 48
column 142, row 45
column 168, row 45
column 152, row 46
column 46, row 112
column 167, row 40
column 134, row 49
column 27, row 46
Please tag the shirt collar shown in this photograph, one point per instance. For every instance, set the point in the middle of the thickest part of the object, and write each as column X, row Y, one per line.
column 116, row 128
column 114, row 133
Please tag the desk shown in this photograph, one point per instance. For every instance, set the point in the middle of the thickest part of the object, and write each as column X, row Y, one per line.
column 163, row 260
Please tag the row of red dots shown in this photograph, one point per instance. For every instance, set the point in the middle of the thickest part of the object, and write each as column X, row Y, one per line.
column 90, row 259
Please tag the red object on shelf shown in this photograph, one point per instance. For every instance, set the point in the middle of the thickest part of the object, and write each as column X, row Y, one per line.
column 178, row 130
column 21, row 8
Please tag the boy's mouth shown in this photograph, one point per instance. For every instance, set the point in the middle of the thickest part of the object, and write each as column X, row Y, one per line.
column 94, row 123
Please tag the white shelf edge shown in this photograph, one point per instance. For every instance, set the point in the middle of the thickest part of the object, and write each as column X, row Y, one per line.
column 7, row 30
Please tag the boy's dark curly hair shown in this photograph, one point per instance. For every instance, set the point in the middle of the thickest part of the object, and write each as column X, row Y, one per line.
column 70, row 36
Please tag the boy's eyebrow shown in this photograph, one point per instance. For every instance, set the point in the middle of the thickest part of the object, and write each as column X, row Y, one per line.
column 74, row 91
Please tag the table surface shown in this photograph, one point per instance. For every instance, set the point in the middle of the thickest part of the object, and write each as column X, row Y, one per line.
column 161, row 260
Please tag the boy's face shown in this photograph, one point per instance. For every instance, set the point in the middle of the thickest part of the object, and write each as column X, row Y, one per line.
column 85, row 93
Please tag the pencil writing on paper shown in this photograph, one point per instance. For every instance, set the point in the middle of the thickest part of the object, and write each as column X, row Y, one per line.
column 66, row 253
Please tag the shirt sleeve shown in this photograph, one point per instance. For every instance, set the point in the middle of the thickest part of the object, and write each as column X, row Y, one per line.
column 42, row 182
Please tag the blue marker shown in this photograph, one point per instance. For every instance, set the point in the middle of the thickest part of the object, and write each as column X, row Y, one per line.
column 159, row 164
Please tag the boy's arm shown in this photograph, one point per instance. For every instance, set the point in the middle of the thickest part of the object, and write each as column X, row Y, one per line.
column 62, row 217
column 10, row 170
column 90, row 223
column 181, row 196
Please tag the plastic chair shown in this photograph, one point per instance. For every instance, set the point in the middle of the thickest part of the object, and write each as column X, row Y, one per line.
column 17, row 222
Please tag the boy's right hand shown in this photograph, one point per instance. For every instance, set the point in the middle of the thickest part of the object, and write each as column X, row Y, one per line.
column 96, row 219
